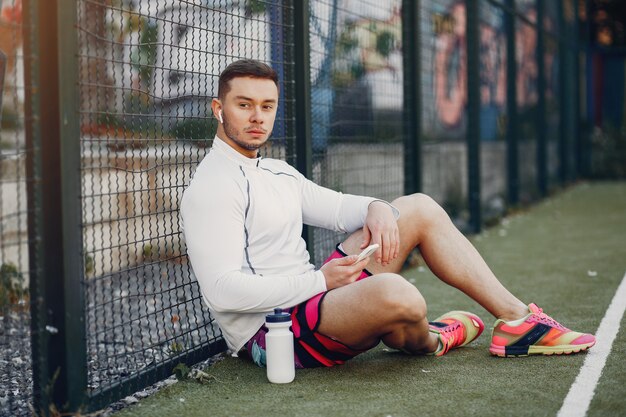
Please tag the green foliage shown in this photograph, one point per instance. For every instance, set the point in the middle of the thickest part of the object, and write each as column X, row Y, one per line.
column 147, row 250
column 255, row 7
column 11, row 285
column 385, row 42
column 147, row 51
column 89, row 264
column 176, row 347
column 130, row 127
column 350, row 67
column 10, row 118
column 200, row 130
column 144, row 56
column 347, row 39
column 181, row 371
column 109, row 121
column 138, row 103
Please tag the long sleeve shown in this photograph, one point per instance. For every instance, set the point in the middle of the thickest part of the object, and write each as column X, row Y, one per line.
column 322, row 207
column 242, row 223
column 215, row 234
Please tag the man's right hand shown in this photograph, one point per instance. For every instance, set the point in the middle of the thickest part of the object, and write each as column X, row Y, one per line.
column 343, row 271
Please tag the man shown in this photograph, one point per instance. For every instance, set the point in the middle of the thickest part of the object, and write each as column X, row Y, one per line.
column 242, row 219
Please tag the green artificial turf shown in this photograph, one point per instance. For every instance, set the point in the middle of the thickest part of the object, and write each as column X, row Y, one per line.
column 567, row 254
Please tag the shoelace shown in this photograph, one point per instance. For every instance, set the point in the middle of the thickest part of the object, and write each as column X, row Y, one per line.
column 453, row 331
column 450, row 328
column 543, row 317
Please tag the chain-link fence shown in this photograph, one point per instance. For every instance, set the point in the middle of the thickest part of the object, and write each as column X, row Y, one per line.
column 15, row 271
column 356, row 102
column 444, row 110
column 149, row 70
column 552, row 92
column 116, row 130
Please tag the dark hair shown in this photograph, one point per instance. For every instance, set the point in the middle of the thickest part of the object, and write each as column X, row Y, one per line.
column 244, row 68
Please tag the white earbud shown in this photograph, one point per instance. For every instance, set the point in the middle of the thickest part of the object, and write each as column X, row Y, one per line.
column 219, row 116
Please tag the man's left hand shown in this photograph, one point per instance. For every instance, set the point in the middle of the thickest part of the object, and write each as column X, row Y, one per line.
column 381, row 227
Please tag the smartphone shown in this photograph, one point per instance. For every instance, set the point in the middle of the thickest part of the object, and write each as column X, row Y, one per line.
column 367, row 252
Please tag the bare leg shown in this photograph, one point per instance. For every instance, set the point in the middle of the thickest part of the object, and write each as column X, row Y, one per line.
column 386, row 307
column 383, row 307
column 447, row 253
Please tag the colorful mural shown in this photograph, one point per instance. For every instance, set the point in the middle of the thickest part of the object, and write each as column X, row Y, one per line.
column 448, row 72
column 445, row 69
column 492, row 73
column 445, row 114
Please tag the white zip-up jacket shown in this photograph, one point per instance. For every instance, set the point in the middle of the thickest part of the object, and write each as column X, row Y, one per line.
column 242, row 223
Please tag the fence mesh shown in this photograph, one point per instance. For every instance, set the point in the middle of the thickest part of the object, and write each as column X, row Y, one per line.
column 552, row 93
column 493, row 111
column 15, row 364
column 569, row 111
column 444, row 111
column 356, row 101
column 527, row 97
column 149, row 70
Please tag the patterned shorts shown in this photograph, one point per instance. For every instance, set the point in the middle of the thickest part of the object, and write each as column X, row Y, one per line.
column 311, row 348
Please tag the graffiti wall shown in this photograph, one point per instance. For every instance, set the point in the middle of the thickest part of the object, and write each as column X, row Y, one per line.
column 526, row 60
column 493, row 111
column 444, row 67
column 444, row 70
column 492, row 73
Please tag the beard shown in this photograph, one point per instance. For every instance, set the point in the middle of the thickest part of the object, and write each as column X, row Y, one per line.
column 234, row 134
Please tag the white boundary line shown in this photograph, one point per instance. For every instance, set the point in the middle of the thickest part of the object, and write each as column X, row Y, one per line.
column 581, row 392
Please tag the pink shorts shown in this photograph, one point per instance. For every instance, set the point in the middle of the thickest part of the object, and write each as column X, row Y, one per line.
column 312, row 348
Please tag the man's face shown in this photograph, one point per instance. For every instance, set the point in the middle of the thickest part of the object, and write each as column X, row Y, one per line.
column 248, row 114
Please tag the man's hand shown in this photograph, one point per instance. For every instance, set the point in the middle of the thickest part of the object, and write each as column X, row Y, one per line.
column 343, row 271
column 381, row 227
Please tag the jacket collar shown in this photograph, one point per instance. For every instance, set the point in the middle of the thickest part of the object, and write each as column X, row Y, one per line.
column 224, row 148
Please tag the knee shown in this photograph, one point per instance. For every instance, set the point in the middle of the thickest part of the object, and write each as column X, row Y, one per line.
column 421, row 208
column 400, row 299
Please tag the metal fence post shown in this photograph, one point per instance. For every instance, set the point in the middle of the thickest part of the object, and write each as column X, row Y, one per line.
column 69, row 133
column 582, row 151
column 583, row 92
column 542, row 168
column 564, row 119
column 58, row 328
column 511, row 105
column 42, row 373
column 302, row 97
column 473, row 121
column 412, row 96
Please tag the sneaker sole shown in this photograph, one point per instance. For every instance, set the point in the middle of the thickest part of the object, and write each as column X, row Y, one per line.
column 519, row 351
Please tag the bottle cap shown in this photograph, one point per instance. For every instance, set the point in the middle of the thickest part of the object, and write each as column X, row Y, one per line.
column 279, row 316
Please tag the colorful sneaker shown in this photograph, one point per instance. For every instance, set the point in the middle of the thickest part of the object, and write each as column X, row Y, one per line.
column 536, row 334
column 456, row 329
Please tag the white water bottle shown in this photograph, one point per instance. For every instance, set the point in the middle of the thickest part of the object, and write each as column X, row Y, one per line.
column 279, row 348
